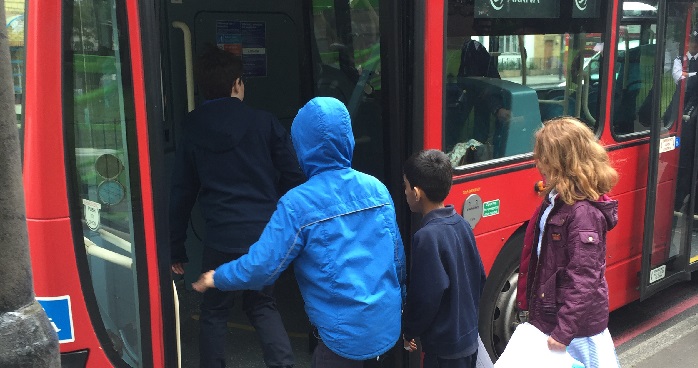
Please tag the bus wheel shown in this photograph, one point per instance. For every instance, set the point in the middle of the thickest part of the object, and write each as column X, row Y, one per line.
column 498, row 303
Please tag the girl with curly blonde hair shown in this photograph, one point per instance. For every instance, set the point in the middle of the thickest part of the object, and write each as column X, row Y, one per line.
column 562, row 284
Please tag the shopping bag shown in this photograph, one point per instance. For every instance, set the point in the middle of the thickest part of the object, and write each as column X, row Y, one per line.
column 483, row 357
column 528, row 347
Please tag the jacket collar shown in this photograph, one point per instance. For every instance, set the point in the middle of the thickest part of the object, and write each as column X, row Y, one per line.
column 447, row 211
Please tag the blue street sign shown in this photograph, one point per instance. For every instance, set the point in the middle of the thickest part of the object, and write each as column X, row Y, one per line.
column 60, row 315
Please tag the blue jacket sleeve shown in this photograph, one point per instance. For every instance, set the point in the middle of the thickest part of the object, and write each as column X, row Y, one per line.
column 278, row 246
column 400, row 263
column 428, row 282
column 184, row 190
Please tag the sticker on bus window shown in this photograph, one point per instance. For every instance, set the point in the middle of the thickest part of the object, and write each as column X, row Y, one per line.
column 657, row 273
column 60, row 315
column 490, row 208
column 92, row 218
column 667, row 144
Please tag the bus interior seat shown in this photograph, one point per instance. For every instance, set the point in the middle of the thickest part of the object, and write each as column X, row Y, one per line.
column 516, row 136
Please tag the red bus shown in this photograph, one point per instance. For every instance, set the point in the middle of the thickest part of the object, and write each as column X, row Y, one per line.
column 107, row 82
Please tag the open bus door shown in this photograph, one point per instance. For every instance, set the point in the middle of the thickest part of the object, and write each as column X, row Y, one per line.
column 670, row 241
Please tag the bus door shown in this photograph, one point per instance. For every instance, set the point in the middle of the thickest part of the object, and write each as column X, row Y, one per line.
column 670, row 243
column 292, row 51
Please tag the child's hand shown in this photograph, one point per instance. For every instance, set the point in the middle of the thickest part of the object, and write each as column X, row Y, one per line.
column 409, row 345
column 205, row 282
column 554, row 345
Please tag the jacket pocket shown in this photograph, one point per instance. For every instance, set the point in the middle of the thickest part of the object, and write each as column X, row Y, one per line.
column 556, row 233
column 589, row 237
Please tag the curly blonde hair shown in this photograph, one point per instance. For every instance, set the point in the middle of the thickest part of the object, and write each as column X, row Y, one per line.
column 573, row 161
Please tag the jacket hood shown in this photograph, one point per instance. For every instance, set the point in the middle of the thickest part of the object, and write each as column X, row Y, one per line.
column 609, row 209
column 322, row 136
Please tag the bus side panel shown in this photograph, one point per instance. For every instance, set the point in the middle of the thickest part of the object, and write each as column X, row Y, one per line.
column 55, row 275
column 433, row 73
column 44, row 175
column 623, row 282
column 491, row 244
column 511, row 199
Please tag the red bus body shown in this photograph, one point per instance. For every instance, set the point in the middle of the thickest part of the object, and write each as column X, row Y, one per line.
column 511, row 184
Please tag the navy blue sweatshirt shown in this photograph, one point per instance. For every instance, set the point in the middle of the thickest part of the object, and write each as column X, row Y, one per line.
column 238, row 161
column 446, row 281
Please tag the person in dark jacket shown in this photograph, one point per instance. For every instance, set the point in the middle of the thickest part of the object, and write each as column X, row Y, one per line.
column 446, row 275
column 238, row 161
column 562, row 284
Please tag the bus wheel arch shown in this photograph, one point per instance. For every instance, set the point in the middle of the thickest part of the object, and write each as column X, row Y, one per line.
column 497, row 318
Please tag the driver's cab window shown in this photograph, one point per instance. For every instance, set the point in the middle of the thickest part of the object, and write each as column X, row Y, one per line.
column 504, row 76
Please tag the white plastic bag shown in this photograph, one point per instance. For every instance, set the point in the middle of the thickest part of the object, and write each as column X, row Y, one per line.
column 483, row 357
column 528, row 347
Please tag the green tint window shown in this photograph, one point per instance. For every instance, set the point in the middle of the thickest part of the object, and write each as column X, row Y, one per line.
column 347, row 66
column 99, row 118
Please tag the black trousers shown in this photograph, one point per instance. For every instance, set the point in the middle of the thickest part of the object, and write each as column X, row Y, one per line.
column 323, row 357
column 434, row 361
column 260, row 307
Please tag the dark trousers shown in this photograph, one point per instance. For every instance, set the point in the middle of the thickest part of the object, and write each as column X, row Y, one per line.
column 323, row 357
column 261, row 311
column 434, row 361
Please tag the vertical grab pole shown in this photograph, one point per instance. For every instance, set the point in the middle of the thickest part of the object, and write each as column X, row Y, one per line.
column 188, row 62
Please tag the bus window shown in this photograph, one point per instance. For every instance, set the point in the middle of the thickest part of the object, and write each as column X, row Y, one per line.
column 346, row 65
column 14, row 12
column 634, row 68
column 676, row 62
column 99, row 116
column 504, row 77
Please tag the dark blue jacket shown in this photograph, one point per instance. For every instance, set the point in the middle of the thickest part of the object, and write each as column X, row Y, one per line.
column 238, row 161
column 446, row 281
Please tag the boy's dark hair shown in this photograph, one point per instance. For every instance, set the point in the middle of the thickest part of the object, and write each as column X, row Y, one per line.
column 216, row 72
column 430, row 170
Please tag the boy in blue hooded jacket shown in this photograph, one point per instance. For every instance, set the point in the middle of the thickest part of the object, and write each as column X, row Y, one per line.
column 340, row 231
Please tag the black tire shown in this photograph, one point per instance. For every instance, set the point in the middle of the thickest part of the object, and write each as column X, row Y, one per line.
column 498, row 302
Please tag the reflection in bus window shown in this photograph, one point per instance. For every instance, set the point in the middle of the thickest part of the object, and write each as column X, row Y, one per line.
column 504, row 77
column 346, row 65
column 100, row 116
column 634, row 69
column 679, row 71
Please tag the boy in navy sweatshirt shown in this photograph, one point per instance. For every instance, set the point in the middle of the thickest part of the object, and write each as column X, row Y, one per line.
column 446, row 274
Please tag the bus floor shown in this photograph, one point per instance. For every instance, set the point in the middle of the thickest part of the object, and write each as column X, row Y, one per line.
column 242, row 347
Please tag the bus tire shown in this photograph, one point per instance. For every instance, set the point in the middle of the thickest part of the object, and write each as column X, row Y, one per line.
column 498, row 302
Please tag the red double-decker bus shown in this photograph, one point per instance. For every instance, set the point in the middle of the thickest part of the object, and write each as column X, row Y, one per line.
column 106, row 83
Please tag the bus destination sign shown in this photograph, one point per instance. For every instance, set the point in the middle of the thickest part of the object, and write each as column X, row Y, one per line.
column 517, row 8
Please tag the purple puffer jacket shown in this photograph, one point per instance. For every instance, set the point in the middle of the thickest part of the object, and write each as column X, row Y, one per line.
column 565, row 291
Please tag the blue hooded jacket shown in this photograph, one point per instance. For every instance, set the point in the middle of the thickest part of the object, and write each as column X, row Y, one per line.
column 340, row 231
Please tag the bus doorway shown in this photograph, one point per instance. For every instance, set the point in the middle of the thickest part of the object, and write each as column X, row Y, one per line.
column 670, row 246
column 291, row 52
